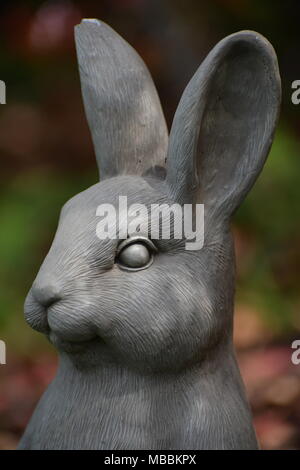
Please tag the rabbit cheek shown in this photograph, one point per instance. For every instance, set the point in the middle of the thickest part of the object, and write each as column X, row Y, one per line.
column 70, row 323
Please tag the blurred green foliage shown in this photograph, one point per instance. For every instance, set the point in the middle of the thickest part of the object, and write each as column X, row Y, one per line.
column 270, row 214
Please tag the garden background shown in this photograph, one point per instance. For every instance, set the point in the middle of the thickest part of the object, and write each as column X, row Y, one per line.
column 47, row 156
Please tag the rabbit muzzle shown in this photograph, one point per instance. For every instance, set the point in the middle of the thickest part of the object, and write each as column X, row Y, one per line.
column 47, row 312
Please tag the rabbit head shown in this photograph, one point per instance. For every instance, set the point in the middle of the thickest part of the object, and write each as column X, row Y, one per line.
column 177, row 309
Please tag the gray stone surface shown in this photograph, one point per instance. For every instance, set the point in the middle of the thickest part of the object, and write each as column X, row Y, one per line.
column 146, row 357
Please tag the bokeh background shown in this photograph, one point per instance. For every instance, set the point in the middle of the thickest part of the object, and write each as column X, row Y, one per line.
column 47, row 156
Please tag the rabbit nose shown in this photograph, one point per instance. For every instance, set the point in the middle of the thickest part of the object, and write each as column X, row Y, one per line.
column 46, row 295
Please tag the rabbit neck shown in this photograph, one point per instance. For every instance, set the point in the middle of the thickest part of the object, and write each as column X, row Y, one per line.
column 110, row 406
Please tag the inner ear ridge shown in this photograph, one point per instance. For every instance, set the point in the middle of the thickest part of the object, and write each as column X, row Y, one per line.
column 224, row 124
column 230, row 116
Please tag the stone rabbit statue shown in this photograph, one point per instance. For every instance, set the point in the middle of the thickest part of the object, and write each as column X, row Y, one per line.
column 146, row 353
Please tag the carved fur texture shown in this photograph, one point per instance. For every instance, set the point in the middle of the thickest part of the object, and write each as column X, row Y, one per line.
column 146, row 357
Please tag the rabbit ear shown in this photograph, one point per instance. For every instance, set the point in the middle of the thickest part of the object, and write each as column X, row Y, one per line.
column 224, row 124
column 121, row 103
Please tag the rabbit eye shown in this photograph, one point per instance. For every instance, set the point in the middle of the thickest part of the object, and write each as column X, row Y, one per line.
column 135, row 253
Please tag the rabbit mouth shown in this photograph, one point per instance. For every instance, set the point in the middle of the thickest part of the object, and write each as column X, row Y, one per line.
column 69, row 345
